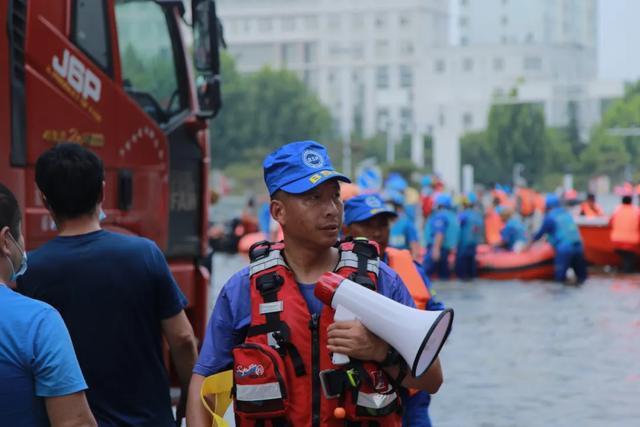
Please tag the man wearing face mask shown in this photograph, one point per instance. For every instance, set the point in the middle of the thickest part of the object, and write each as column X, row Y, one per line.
column 40, row 380
column 114, row 292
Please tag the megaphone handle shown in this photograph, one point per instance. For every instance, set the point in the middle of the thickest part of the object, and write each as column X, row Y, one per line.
column 342, row 314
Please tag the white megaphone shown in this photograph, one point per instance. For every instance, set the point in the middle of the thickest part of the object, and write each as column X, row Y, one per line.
column 418, row 335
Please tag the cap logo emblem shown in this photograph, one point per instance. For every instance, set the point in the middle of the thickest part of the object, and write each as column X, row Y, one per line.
column 373, row 202
column 312, row 159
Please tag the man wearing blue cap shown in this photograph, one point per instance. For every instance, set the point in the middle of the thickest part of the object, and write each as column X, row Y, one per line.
column 441, row 234
column 368, row 216
column 563, row 234
column 471, row 234
column 305, row 201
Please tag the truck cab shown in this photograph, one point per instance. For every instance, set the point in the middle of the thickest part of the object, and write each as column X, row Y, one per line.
column 116, row 76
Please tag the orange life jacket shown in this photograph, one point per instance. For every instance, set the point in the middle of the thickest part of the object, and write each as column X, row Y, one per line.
column 492, row 226
column 587, row 210
column 277, row 370
column 625, row 225
column 401, row 262
column 526, row 198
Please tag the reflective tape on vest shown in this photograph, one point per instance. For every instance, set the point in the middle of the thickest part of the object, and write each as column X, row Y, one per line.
column 375, row 400
column 270, row 261
column 254, row 393
column 350, row 259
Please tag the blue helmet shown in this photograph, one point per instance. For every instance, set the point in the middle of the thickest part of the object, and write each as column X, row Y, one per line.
column 427, row 181
column 551, row 201
column 443, row 200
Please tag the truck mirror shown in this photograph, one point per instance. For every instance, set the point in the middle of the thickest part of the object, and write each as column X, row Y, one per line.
column 207, row 34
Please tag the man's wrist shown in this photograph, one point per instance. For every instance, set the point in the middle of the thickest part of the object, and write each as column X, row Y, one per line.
column 392, row 357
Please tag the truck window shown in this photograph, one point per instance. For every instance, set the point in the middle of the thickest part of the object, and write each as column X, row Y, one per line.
column 148, row 57
column 90, row 31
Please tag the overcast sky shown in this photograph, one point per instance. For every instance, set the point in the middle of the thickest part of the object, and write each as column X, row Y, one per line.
column 619, row 39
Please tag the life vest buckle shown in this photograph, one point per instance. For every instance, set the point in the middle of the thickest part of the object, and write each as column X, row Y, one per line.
column 269, row 283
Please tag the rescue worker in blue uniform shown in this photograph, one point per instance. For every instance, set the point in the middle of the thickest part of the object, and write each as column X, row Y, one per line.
column 403, row 234
column 368, row 216
column 514, row 234
column 471, row 234
column 563, row 234
column 441, row 236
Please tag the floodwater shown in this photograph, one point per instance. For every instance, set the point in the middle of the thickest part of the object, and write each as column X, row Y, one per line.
column 528, row 354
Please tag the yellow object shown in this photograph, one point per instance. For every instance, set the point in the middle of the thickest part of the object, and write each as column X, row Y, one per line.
column 218, row 387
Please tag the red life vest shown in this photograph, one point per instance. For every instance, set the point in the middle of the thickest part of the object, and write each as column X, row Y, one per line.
column 277, row 370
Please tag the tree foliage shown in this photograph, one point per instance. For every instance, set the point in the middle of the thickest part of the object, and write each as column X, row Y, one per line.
column 610, row 154
column 262, row 111
column 516, row 133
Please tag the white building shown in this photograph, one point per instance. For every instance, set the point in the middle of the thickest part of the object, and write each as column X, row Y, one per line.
column 361, row 56
column 388, row 66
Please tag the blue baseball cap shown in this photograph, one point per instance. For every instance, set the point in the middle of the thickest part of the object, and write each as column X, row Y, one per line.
column 365, row 206
column 551, row 201
column 444, row 200
column 298, row 167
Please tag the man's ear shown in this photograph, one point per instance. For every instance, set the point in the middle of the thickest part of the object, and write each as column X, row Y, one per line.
column 4, row 241
column 278, row 211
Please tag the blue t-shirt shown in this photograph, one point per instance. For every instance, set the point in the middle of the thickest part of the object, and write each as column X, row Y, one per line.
column 232, row 314
column 403, row 233
column 36, row 360
column 112, row 291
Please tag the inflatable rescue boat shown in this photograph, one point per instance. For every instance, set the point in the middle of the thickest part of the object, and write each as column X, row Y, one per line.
column 535, row 263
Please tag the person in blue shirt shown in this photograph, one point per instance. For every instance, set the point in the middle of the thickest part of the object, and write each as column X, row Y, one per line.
column 564, row 236
column 471, row 235
column 40, row 379
column 115, row 293
column 305, row 201
column 513, row 234
column 441, row 235
column 403, row 234
column 368, row 216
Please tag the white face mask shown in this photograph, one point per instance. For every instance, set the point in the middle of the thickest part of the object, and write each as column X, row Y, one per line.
column 23, row 262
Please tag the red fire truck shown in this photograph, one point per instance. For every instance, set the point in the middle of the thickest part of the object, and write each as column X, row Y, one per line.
column 117, row 77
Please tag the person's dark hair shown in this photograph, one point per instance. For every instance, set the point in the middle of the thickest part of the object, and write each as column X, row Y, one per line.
column 70, row 177
column 626, row 200
column 591, row 197
column 9, row 212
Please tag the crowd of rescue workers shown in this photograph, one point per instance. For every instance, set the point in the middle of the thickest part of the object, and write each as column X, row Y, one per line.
column 84, row 321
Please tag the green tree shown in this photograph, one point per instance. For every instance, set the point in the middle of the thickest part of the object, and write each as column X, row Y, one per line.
column 612, row 154
column 262, row 111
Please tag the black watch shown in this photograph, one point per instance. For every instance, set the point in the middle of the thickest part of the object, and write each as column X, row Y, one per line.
column 392, row 358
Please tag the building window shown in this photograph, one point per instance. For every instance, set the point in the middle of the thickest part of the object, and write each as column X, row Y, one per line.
column 532, row 63
column 463, row 21
column 464, row 2
column 406, row 47
column 464, row 40
column 265, row 25
column 467, row 120
column 333, row 22
column 357, row 50
column 290, row 54
column 467, row 64
column 382, row 49
column 382, row 77
column 439, row 66
column 504, row 20
column 288, row 23
column 311, row 22
column 404, row 21
column 406, row 120
column 498, row 64
column 382, row 120
column 442, row 119
column 310, row 53
column 406, row 76
column 357, row 21
column 381, row 22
